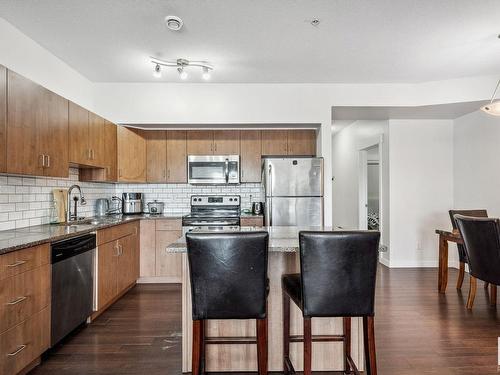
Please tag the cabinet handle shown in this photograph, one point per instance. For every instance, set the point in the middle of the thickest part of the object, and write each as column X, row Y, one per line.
column 164, row 173
column 216, row 147
column 18, row 263
column 119, row 172
column 16, row 301
column 117, row 248
column 42, row 157
column 19, row 350
column 48, row 161
column 211, row 147
column 168, row 173
column 121, row 250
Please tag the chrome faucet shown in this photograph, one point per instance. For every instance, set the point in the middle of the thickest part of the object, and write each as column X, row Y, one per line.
column 70, row 217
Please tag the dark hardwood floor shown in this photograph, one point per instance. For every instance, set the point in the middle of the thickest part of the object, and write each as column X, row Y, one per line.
column 418, row 331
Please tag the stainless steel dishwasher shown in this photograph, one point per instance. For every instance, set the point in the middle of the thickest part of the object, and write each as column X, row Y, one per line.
column 72, row 284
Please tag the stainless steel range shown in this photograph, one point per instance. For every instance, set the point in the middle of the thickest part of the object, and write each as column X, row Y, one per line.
column 213, row 212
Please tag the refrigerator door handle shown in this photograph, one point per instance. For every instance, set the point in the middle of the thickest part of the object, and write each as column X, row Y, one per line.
column 271, row 199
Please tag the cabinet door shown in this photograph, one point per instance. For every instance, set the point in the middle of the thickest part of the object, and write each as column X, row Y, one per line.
column 54, row 136
column 200, row 142
column 3, row 118
column 302, row 142
column 168, row 265
column 96, row 140
column 110, row 151
column 274, row 142
column 131, row 155
column 79, row 152
column 250, row 156
column 176, row 156
column 148, row 248
column 227, row 142
column 107, row 273
column 127, row 262
column 156, row 155
column 25, row 101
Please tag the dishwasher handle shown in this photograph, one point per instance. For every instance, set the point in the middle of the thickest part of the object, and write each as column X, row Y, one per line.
column 71, row 247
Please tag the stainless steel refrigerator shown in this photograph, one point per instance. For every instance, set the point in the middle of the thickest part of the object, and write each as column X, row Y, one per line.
column 294, row 191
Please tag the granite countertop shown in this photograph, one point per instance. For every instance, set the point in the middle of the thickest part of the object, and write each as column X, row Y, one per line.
column 17, row 239
column 281, row 239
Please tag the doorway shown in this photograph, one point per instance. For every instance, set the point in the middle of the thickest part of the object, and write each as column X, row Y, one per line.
column 370, row 188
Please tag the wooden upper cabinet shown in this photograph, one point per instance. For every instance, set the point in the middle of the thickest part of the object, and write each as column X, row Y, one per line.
column 274, row 142
column 78, row 135
column 25, row 112
column 226, row 142
column 3, row 118
column 176, row 156
column 250, row 155
column 302, row 142
column 96, row 140
column 54, row 137
column 156, row 155
column 131, row 155
column 110, row 151
column 200, row 142
column 37, row 129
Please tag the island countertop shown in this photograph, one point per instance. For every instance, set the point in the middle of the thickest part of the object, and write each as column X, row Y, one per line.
column 281, row 239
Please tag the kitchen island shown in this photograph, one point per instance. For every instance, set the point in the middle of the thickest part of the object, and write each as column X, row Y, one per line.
column 283, row 258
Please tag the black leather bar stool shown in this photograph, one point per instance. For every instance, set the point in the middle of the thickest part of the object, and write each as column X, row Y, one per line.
column 228, row 274
column 337, row 279
column 482, row 243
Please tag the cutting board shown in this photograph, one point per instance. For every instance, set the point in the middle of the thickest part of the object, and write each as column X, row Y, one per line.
column 61, row 202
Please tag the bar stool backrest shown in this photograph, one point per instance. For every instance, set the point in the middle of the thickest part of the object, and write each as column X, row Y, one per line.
column 482, row 242
column 338, row 271
column 228, row 273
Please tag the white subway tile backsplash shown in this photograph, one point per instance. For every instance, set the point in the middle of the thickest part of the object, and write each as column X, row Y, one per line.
column 27, row 201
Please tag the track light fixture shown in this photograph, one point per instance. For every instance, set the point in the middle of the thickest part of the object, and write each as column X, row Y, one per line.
column 157, row 71
column 181, row 65
column 493, row 107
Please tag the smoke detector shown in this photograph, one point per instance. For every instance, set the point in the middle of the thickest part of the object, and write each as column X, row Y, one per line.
column 174, row 23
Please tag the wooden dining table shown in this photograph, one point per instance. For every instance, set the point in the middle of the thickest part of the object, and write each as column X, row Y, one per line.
column 444, row 238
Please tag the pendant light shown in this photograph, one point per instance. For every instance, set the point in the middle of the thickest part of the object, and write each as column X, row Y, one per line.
column 493, row 107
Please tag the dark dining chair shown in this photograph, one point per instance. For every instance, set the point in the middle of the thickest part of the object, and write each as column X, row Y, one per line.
column 482, row 244
column 228, row 273
column 462, row 254
column 337, row 279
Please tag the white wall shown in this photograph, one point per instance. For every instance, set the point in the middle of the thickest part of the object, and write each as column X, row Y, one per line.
column 421, row 189
column 346, row 145
column 22, row 55
column 476, row 162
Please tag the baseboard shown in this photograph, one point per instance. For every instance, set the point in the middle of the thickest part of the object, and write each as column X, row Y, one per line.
column 419, row 264
column 159, row 280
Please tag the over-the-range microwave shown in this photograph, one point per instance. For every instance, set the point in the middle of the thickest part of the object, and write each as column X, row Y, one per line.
column 213, row 169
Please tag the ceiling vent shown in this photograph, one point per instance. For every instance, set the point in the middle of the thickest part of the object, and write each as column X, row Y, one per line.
column 174, row 23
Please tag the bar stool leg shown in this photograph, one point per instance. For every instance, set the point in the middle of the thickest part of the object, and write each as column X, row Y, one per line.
column 347, row 344
column 461, row 274
column 262, row 345
column 472, row 292
column 196, row 358
column 307, row 346
column 493, row 295
column 286, row 333
column 369, row 341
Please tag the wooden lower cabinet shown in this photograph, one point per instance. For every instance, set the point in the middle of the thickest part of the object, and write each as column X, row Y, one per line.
column 25, row 293
column 252, row 221
column 24, row 343
column 117, row 263
column 156, row 264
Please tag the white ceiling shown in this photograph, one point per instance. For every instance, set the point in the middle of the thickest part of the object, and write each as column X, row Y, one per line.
column 357, row 41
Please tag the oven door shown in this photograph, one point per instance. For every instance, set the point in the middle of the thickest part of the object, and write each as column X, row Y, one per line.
column 213, row 169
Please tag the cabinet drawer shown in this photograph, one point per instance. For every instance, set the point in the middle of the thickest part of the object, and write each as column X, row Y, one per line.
column 168, row 224
column 21, row 345
column 252, row 221
column 23, row 295
column 24, row 260
column 116, row 232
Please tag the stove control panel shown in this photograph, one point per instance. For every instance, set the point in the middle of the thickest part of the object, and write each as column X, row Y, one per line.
column 215, row 200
